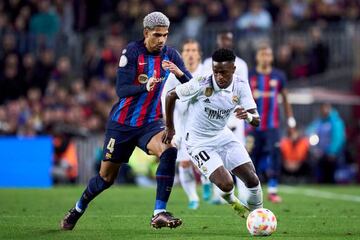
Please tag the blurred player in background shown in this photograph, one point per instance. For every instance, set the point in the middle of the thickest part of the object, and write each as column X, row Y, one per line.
column 136, row 119
column 191, row 54
column 225, row 39
column 211, row 145
column 266, row 84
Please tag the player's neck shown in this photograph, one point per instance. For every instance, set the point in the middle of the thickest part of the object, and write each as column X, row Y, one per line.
column 152, row 51
column 192, row 67
column 264, row 69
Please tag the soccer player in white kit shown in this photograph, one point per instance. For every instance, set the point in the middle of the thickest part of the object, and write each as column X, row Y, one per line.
column 212, row 146
column 191, row 55
column 225, row 39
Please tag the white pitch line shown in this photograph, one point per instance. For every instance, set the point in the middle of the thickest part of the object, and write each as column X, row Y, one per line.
column 320, row 194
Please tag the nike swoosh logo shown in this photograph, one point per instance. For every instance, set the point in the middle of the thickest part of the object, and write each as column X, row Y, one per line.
column 142, row 64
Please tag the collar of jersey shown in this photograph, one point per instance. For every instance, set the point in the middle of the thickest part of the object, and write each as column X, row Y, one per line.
column 217, row 88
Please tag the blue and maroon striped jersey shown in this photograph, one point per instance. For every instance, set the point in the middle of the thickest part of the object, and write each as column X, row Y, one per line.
column 265, row 90
column 137, row 106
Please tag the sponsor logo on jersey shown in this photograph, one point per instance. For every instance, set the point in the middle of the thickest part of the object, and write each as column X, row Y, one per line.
column 207, row 101
column 208, row 91
column 143, row 78
column 235, row 99
column 108, row 155
column 218, row 114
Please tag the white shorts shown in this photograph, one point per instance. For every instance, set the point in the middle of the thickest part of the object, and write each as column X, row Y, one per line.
column 182, row 154
column 230, row 155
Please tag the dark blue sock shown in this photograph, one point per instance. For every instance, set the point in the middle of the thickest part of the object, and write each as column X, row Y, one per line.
column 95, row 187
column 165, row 177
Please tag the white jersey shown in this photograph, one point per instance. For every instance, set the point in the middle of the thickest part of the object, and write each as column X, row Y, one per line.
column 235, row 124
column 180, row 111
column 210, row 108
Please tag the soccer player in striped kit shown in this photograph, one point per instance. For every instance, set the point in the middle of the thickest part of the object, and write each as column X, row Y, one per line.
column 266, row 84
column 136, row 119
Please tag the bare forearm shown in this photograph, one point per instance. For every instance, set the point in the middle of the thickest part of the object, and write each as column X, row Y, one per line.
column 169, row 108
column 288, row 110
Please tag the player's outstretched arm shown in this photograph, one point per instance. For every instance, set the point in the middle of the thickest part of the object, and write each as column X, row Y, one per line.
column 169, row 116
column 251, row 115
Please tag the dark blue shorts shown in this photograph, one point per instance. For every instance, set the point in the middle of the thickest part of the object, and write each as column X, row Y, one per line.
column 266, row 152
column 121, row 140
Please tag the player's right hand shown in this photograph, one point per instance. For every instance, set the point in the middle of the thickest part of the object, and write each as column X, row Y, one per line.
column 168, row 135
column 152, row 82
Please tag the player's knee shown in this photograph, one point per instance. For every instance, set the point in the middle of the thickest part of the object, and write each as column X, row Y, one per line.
column 108, row 178
column 252, row 180
column 226, row 186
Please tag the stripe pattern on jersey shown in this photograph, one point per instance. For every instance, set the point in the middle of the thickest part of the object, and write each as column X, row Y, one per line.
column 146, row 107
column 267, row 89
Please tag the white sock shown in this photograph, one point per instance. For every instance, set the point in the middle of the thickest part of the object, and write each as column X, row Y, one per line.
column 255, row 198
column 187, row 180
column 243, row 192
column 217, row 194
column 229, row 197
column 156, row 211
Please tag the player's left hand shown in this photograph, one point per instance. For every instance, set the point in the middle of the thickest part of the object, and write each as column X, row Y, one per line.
column 241, row 113
column 167, row 65
column 168, row 135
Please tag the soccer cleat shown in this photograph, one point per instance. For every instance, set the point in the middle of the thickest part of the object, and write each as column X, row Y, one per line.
column 165, row 219
column 274, row 198
column 193, row 205
column 240, row 209
column 70, row 219
column 206, row 192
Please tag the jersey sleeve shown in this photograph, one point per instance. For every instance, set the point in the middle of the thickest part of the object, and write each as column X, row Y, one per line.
column 170, row 84
column 189, row 90
column 177, row 60
column 283, row 80
column 126, row 73
column 246, row 99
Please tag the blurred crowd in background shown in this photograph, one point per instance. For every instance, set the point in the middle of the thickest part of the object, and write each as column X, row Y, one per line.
column 42, row 91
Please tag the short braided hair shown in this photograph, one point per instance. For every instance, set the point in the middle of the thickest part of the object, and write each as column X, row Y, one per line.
column 156, row 19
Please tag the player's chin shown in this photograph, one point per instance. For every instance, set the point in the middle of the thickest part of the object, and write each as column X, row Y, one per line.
column 159, row 47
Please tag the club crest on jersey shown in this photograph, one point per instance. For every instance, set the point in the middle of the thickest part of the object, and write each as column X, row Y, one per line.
column 235, row 99
column 208, row 91
column 143, row 78
column 273, row 83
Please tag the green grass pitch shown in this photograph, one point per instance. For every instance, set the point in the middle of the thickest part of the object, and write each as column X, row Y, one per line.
column 308, row 212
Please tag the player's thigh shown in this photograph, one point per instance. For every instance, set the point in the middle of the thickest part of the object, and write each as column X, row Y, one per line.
column 118, row 146
column 150, row 139
column 206, row 160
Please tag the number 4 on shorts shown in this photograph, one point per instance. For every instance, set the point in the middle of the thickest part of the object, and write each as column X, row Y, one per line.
column 111, row 145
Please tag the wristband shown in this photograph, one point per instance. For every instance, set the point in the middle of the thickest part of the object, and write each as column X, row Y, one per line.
column 291, row 122
column 250, row 117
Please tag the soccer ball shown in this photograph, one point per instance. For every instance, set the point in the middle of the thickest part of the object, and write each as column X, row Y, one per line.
column 261, row 222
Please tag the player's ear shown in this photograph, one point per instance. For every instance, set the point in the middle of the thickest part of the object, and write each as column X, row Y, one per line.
column 146, row 32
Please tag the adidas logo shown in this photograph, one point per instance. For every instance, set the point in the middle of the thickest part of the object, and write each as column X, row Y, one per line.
column 207, row 101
